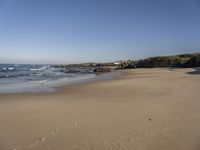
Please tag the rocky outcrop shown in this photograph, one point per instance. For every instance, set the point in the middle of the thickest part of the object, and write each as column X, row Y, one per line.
column 184, row 60
column 85, row 65
column 102, row 70
column 127, row 64
column 194, row 61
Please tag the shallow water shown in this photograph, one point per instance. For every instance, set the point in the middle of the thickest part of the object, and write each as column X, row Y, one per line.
column 44, row 78
column 13, row 74
column 196, row 71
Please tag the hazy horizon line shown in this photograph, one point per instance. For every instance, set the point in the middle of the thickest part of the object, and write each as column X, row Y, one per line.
column 83, row 62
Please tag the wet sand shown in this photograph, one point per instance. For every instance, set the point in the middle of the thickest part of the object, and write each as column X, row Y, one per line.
column 148, row 109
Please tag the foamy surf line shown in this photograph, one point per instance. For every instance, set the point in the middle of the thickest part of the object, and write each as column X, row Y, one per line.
column 52, row 85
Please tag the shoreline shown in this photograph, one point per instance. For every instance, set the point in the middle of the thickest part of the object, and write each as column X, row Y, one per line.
column 146, row 109
column 120, row 74
column 54, row 85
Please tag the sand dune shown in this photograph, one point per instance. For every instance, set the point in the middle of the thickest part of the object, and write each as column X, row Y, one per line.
column 148, row 109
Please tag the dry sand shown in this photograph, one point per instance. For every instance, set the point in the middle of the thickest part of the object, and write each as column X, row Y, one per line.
column 149, row 109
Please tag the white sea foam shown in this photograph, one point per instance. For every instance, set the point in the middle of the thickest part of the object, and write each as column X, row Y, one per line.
column 11, row 68
column 49, row 86
column 38, row 69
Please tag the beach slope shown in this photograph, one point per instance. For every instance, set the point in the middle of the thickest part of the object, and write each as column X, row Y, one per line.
column 148, row 109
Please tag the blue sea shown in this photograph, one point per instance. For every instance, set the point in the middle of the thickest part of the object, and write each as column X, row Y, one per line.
column 14, row 73
column 19, row 78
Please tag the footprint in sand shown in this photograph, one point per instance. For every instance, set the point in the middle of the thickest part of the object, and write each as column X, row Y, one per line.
column 44, row 139
column 98, row 115
column 75, row 124
column 58, row 129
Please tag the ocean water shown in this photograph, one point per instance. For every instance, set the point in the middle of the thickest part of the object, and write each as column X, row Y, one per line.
column 19, row 78
column 13, row 73
column 15, row 77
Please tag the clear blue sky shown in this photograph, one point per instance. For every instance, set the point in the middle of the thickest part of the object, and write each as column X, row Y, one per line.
column 69, row 31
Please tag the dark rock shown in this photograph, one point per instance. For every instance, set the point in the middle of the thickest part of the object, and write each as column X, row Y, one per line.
column 127, row 64
column 194, row 61
column 102, row 70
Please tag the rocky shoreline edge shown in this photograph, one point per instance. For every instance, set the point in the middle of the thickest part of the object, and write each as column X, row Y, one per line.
column 175, row 61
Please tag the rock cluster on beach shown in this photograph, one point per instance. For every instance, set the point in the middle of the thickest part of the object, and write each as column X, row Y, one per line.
column 102, row 70
column 96, row 67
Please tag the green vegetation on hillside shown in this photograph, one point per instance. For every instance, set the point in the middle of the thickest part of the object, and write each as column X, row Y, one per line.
column 183, row 60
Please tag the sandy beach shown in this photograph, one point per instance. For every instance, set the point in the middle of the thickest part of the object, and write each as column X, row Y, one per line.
column 148, row 109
